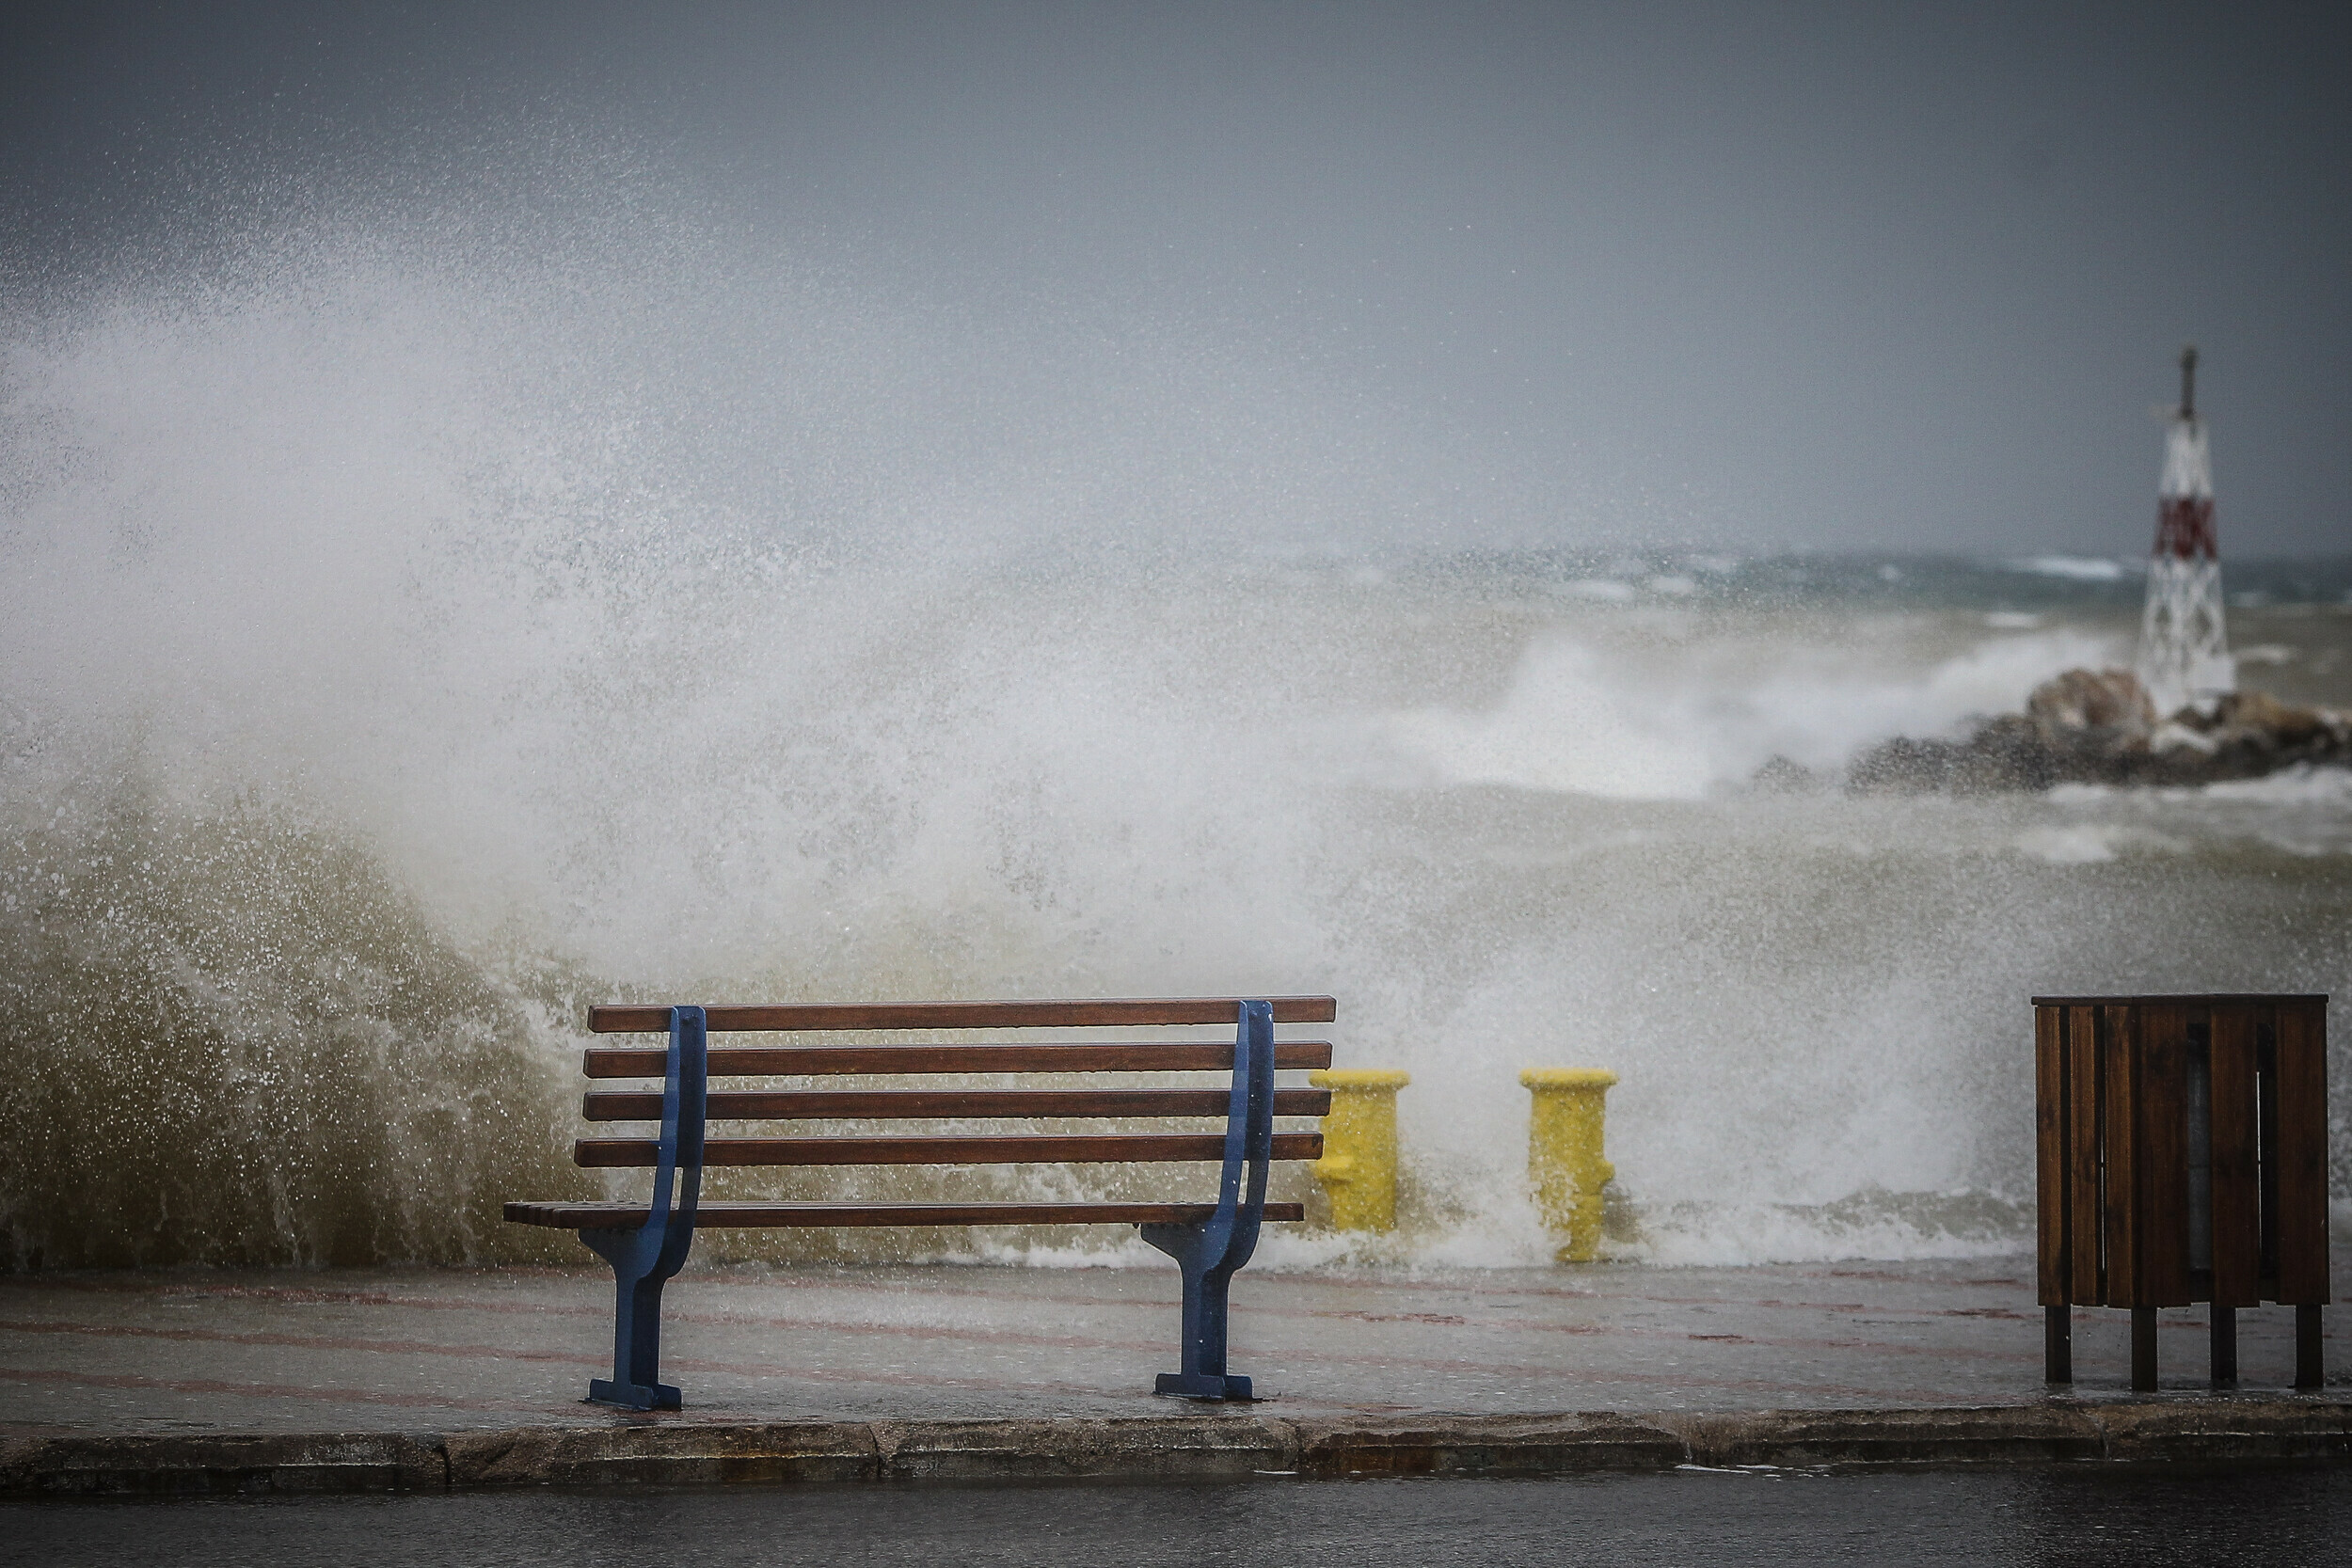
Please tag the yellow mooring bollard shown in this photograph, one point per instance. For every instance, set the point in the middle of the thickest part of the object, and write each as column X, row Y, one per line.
column 1563, row 1163
column 1359, row 1164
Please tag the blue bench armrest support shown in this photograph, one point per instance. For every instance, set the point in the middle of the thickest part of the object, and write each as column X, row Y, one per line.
column 643, row 1260
column 1209, row 1251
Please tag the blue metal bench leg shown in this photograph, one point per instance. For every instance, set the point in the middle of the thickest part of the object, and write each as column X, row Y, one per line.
column 636, row 1382
column 1203, row 1353
column 1210, row 1250
column 643, row 1260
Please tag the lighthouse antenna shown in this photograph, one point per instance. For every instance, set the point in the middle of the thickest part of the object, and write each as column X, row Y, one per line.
column 2188, row 382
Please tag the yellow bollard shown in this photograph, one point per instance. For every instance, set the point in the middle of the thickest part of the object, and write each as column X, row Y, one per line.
column 1563, row 1163
column 1359, row 1164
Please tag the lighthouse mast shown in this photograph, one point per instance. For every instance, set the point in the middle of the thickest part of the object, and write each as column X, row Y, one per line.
column 2184, row 652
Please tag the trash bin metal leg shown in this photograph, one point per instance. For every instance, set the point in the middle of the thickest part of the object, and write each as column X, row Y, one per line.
column 2224, row 1331
column 2058, row 1343
column 2144, row 1349
column 2309, row 1373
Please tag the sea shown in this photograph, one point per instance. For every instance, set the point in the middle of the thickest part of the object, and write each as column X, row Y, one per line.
column 370, row 706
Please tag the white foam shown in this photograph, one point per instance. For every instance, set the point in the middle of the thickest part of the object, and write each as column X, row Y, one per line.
column 2076, row 568
column 1734, row 1234
column 2081, row 844
column 1563, row 725
column 2303, row 784
column 2170, row 737
column 1631, row 724
column 1602, row 590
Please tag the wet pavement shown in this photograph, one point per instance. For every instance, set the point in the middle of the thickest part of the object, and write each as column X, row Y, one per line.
column 2079, row 1516
column 364, row 1350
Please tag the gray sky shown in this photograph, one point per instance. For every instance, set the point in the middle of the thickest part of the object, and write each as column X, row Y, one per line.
column 1849, row 277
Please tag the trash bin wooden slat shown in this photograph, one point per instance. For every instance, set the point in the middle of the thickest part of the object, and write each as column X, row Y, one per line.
column 2052, row 1239
column 2236, row 1190
column 2118, row 1135
column 2087, row 1259
column 2162, row 1206
column 2302, row 1077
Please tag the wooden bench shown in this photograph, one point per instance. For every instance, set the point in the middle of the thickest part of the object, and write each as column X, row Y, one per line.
column 646, row 1243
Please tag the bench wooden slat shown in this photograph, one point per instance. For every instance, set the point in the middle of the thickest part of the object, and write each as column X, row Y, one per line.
column 1017, row 1149
column 609, row 1061
column 623, row 1216
column 889, row 1104
column 622, row 1019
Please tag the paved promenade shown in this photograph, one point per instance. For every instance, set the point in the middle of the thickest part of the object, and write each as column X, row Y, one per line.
column 402, row 1350
column 439, row 1355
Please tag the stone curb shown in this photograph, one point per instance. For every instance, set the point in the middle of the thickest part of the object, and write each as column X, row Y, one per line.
column 1203, row 1446
column 1998, row 1434
column 107, row 1466
column 660, row 1456
column 1491, row 1445
column 1143, row 1448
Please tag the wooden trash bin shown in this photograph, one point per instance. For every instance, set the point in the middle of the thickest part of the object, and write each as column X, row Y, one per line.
column 2183, row 1157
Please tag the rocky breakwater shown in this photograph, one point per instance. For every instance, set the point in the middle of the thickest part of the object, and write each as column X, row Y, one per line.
column 2098, row 726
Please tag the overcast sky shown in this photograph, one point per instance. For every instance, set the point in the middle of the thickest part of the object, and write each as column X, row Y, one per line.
column 1846, row 276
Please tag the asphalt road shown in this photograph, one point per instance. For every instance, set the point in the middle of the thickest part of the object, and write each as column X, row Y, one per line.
column 2063, row 1516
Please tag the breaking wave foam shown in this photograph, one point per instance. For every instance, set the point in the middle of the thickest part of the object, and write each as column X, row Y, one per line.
column 1675, row 723
column 411, row 638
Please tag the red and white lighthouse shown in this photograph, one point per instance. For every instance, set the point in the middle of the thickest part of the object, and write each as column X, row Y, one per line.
column 2184, row 650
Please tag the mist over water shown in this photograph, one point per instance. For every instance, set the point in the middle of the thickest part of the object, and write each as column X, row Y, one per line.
column 417, row 627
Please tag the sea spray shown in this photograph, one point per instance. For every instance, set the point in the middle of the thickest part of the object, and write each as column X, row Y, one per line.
column 416, row 629
column 231, row 1038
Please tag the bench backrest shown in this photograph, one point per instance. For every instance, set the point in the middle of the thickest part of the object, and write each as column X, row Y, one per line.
column 684, row 1103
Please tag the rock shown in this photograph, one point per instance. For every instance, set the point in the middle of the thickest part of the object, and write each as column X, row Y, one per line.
column 1783, row 776
column 2090, row 726
column 2260, row 713
column 2007, row 752
column 2105, row 702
